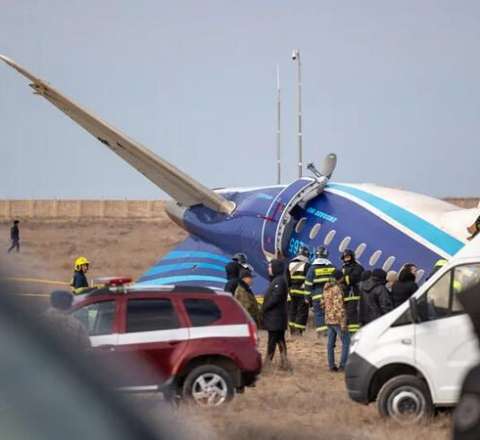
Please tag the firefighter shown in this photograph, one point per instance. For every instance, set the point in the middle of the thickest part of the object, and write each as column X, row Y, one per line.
column 352, row 274
column 319, row 273
column 298, row 295
column 79, row 282
column 437, row 266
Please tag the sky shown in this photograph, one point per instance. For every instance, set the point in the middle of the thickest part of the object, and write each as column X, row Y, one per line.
column 391, row 87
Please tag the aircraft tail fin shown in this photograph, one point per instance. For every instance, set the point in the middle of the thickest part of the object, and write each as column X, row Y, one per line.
column 180, row 186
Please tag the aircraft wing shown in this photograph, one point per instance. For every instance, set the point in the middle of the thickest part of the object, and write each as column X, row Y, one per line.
column 194, row 263
column 183, row 188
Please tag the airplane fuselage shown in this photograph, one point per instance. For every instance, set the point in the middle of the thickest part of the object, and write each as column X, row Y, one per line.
column 383, row 233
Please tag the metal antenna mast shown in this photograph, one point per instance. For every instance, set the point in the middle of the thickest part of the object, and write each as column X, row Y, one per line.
column 296, row 58
column 279, row 151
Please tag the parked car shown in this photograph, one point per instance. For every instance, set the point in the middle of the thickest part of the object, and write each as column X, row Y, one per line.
column 195, row 342
column 414, row 359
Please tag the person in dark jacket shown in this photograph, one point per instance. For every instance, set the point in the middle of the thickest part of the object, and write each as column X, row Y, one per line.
column 404, row 288
column 352, row 274
column 232, row 270
column 366, row 275
column 376, row 296
column 15, row 237
column 275, row 314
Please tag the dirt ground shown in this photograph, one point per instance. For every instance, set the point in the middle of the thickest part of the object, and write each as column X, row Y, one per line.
column 306, row 404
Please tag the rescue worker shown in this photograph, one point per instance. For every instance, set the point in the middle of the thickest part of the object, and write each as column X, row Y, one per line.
column 79, row 282
column 63, row 323
column 298, row 295
column 376, row 296
column 318, row 275
column 14, row 237
column 275, row 315
column 232, row 270
column 245, row 296
column 352, row 274
column 437, row 266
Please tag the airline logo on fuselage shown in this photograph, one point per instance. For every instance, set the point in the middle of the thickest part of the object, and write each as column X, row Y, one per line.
column 322, row 215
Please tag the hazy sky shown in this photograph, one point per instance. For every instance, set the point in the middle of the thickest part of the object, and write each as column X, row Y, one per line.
column 393, row 87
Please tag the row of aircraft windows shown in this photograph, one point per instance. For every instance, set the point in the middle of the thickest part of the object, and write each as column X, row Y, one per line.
column 360, row 249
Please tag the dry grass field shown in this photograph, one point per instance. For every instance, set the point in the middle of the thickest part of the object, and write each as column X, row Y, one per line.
column 309, row 403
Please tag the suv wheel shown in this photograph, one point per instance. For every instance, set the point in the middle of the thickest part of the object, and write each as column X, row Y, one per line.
column 406, row 399
column 208, row 385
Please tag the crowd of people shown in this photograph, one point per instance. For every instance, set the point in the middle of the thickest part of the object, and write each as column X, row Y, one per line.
column 342, row 298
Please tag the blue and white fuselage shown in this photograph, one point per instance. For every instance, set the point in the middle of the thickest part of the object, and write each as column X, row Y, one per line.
column 386, row 227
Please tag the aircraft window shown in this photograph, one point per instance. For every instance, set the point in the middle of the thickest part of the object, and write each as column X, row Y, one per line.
column 388, row 264
column 315, row 230
column 375, row 257
column 344, row 244
column 360, row 250
column 329, row 237
column 300, row 225
column 419, row 275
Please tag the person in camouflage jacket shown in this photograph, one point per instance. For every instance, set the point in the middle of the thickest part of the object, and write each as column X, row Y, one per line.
column 336, row 321
column 245, row 296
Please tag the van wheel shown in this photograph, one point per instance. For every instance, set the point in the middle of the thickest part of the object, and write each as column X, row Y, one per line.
column 406, row 399
column 208, row 385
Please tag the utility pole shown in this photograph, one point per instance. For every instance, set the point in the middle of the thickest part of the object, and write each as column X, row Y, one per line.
column 296, row 58
column 279, row 151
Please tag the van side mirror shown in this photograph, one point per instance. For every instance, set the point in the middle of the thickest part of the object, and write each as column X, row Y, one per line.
column 414, row 312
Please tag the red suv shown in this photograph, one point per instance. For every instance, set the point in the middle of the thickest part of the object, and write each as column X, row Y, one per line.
column 198, row 343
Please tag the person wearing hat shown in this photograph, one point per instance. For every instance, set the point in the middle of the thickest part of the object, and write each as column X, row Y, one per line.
column 298, row 295
column 376, row 296
column 79, row 281
column 352, row 274
column 244, row 294
column 63, row 323
column 319, row 273
column 336, row 320
column 232, row 270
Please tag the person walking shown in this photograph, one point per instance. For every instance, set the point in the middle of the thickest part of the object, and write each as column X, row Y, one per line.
column 245, row 296
column 336, row 320
column 376, row 296
column 404, row 287
column 298, row 295
column 61, row 322
column 232, row 270
column 318, row 275
column 274, row 314
column 79, row 281
column 352, row 274
column 15, row 237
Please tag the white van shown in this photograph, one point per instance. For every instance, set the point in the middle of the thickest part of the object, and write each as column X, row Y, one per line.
column 415, row 358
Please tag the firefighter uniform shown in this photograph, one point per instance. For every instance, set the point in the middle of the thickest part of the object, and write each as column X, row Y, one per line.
column 352, row 273
column 320, row 272
column 79, row 281
column 298, row 294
